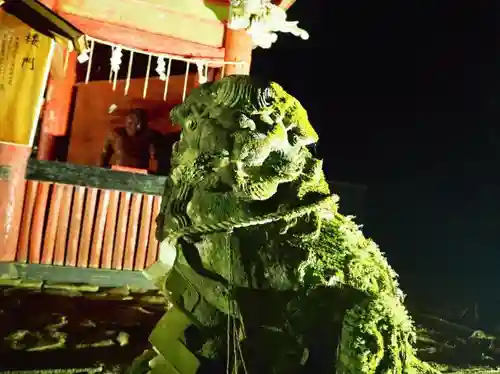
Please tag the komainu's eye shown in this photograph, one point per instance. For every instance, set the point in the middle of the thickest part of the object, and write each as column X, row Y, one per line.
column 191, row 125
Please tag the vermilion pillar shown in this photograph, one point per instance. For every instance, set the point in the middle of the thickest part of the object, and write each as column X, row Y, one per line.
column 57, row 106
column 238, row 46
column 13, row 162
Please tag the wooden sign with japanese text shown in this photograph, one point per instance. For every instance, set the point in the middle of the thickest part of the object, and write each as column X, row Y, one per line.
column 25, row 56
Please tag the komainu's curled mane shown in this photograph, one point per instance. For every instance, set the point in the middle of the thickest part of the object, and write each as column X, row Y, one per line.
column 263, row 274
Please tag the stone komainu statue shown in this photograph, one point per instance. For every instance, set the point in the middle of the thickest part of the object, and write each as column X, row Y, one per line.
column 262, row 272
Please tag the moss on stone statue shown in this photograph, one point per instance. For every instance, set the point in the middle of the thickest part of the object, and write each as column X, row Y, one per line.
column 259, row 242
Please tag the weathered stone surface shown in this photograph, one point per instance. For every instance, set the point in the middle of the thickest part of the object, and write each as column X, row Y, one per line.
column 270, row 276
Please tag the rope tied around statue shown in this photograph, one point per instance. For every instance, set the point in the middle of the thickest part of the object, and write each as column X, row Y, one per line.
column 188, row 289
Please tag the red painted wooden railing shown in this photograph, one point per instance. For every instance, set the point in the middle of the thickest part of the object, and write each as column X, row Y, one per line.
column 87, row 227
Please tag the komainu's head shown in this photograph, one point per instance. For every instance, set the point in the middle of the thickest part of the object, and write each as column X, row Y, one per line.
column 243, row 152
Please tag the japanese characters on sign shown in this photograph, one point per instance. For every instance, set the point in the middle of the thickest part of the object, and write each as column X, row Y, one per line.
column 24, row 64
column 28, row 61
column 9, row 45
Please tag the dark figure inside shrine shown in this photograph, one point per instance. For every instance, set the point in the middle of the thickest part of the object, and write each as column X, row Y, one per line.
column 133, row 145
column 163, row 149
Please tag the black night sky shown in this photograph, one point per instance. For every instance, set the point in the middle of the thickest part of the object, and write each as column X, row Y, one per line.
column 406, row 98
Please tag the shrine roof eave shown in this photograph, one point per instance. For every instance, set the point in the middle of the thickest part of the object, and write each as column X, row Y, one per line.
column 285, row 4
column 144, row 41
column 45, row 21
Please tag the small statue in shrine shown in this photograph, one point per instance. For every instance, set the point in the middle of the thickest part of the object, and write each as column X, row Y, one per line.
column 133, row 145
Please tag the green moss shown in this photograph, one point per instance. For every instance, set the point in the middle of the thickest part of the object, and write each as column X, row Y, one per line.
column 259, row 238
column 377, row 335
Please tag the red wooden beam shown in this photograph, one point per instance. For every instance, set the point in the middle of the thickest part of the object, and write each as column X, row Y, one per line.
column 51, row 4
column 142, row 40
column 285, row 4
